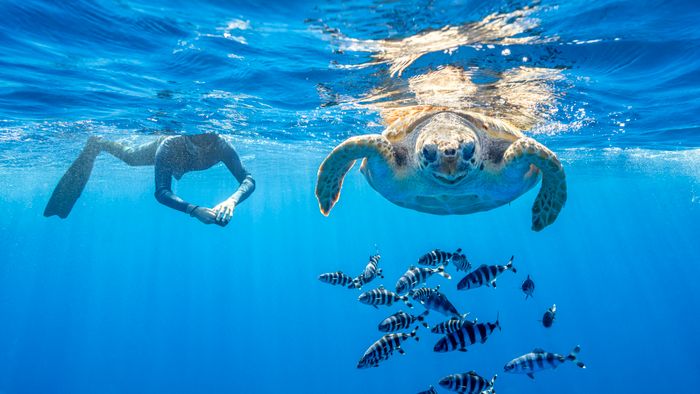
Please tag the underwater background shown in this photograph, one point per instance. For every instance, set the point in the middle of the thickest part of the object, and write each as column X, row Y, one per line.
column 128, row 296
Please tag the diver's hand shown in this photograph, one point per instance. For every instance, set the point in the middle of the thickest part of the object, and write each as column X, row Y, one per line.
column 224, row 211
column 204, row 215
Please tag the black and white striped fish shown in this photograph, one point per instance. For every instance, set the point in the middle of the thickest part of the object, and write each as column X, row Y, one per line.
column 336, row 278
column 401, row 321
column 451, row 325
column 430, row 390
column 539, row 360
column 382, row 296
column 467, row 335
column 437, row 257
column 549, row 316
column 528, row 287
column 371, row 271
column 384, row 348
column 468, row 383
column 417, row 275
column 460, row 261
column 484, row 275
column 433, row 299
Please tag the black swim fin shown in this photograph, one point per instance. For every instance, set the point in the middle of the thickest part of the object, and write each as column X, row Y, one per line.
column 71, row 185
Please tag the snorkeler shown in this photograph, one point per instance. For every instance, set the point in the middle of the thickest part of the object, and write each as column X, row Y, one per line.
column 172, row 157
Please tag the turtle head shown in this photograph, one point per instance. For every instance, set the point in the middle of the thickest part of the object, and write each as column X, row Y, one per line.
column 447, row 148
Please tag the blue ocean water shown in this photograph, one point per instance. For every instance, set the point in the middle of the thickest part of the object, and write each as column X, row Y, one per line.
column 127, row 296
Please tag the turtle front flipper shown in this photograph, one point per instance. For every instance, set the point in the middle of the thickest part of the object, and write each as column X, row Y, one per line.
column 552, row 196
column 339, row 162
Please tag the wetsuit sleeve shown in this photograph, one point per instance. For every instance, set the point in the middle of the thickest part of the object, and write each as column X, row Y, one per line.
column 233, row 163
column 164, row 178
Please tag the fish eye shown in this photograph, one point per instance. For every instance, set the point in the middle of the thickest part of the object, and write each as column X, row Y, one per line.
column 429, row 153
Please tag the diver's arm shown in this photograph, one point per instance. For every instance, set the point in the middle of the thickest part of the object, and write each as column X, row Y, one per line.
column 230, row 158
column 164, row 193
column 247, row 183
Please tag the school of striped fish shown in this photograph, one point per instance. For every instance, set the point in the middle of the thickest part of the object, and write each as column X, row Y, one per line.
column 458, row 332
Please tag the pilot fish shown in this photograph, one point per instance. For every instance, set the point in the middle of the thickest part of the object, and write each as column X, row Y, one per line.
column 401, row 320
column 468, row 334
column 437, row 257
column 549, row 315
column 460, row 261
column 336, row 278
column 451, row 325
column 469, row 383
column 371, row 271
column 539, row 360
column 417, row 275
column 384, row 348
column 433, row 299
column 382, row 296
column 484, row 275
column 528, row 287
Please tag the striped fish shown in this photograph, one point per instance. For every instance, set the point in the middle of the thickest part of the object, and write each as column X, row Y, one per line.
column 437, row 257
column 384, row 348
column 549, row 315
column 430, row 390
column 460, row 261
column 417, row 275
column 401, row 321
column 382, row 296
column 371, row 271
column 469, row 383
column 433, row 299
column 484, row 275
column 528, row 287
column 539, row 360
column 451, row 325
column 467, row 335
column 336, row 278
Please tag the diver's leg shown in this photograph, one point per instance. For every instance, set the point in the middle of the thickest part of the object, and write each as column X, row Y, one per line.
column 142, row 155
column 76, row 177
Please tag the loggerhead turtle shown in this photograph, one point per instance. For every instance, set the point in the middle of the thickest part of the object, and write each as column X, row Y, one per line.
column 444, row 161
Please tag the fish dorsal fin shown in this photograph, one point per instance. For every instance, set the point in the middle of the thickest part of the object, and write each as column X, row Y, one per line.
column 483, row 265
column 538, row 350
column 473, row 373
column 411, row 267
column 381, row 287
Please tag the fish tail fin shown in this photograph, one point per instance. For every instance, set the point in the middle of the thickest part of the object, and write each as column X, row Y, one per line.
column 421, row 318
column 380, row 273
column 414, row 333
column 493, row 381
column 406, row 301
column 573, row 357
column 510, row 265
column 441, row 271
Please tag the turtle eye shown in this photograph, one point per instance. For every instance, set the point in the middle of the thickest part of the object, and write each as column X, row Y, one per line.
column 468, row 151
column 429, row 153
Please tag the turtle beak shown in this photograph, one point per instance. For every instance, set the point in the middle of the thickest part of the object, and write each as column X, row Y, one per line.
column 448, row 166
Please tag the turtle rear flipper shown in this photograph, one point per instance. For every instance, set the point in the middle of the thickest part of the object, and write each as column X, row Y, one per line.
column 340, row 160
column 552, row 196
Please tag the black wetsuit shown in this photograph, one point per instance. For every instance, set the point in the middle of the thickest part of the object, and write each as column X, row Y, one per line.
column 176, row 156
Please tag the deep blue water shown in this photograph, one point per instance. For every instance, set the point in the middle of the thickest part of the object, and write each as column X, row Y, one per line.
column 127, row 296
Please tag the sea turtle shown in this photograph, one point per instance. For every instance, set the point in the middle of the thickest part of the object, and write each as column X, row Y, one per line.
column 445, row 161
